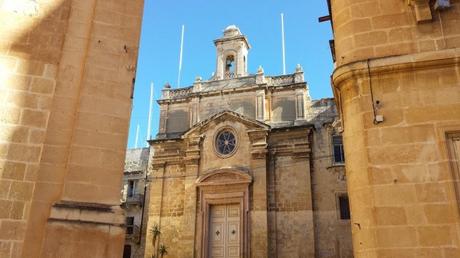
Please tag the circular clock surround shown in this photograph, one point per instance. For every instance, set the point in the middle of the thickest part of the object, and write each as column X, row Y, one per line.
column 225, row 142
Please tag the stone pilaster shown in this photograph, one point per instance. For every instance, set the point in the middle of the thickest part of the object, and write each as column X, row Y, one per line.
column 258, row 213
column 192, row 162
column 291, row 209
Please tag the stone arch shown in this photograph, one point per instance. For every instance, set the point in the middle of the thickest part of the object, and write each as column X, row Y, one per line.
column 218, row 187
column 224, row 176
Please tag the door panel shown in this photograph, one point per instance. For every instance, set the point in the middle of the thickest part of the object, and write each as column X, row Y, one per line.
column 224, row 234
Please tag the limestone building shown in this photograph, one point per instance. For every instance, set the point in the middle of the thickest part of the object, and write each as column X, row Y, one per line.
column 132, row 201
column 246, row 165
column 66, row 77
column 397, row 85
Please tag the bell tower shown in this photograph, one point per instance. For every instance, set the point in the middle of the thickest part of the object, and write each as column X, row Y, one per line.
column 232, row 54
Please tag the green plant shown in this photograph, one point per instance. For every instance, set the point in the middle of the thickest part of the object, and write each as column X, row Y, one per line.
column 162, row 250
column 155, row 230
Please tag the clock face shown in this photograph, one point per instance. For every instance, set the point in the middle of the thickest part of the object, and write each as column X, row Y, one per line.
column 225, row 143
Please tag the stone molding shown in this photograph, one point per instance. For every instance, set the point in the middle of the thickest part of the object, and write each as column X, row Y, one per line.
column 293, row 142
column 259, row 143
column 251, row 83
column 396, row 64
column 89, row 213
column 224, row 176
column 223, row 186
column 192, row 153
column 389, row 65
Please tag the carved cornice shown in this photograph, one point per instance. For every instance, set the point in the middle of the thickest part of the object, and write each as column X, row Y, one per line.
column 301, row 150
column 259, row 143
column 291, row 142
column 192, row 153
column 395, row 64
column 86, row 213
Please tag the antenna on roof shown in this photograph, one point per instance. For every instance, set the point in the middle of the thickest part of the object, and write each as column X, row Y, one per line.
column 283, row 48
column 150, row 112
column 137, row 136
column 180, row 55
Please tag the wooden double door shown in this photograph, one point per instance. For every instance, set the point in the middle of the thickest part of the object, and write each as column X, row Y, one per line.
column 224, row 231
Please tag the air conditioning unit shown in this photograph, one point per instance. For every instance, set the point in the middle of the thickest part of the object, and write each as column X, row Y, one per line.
column 441, row 4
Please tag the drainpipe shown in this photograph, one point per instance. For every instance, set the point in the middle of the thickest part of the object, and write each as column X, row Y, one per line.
column 143, row 209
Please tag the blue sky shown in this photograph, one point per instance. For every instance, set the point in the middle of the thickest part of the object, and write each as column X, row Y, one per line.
column 307, row 43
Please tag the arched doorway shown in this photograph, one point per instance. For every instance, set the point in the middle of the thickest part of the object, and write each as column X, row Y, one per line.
column 224, row 205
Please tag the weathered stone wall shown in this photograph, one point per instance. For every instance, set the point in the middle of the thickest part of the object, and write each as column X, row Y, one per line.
column 211, row 161
column 379, row 28
column 283, row 106
column 276, row 96
column 291, row 229
column 66, row 81
column 29, row 56
column 401, row 188
column 332, row 235
column 243, row 103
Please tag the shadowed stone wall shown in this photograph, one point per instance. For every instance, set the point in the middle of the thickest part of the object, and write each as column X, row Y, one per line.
column 400, row 60
column 67, row 69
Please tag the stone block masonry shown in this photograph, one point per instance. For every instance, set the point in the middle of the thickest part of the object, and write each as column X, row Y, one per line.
column 400, row 60
column 66, row 72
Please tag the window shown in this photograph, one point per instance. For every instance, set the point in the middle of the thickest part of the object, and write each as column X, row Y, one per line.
column 337, row 144
column 131, row 188
column 230, row 67
column 453, row 141
column 225, row 143
column 129, row 225
column 344, row 207
column 127, row 251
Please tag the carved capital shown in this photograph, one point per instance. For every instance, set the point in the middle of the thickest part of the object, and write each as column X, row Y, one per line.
column 192, row 154
column 259, row 144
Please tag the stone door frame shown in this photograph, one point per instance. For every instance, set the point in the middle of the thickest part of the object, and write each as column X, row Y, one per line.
column 222, row 187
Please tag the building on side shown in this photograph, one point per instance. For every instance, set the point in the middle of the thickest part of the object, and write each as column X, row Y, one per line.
column 66, row 78
column 246, row 165
column 397, row 86
column 134, row 188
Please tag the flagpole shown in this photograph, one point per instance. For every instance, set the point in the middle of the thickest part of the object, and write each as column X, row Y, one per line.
column 180, row 56
column 137, row 137
column 283, row 47
column 150, row 112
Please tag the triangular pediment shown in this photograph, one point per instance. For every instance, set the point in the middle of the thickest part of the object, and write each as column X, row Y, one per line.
column 227, row 115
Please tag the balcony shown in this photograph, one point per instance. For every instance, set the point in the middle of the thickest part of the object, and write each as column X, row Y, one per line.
column 135, row 199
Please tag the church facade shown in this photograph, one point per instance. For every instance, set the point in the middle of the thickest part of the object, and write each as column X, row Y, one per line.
column 246, row 165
